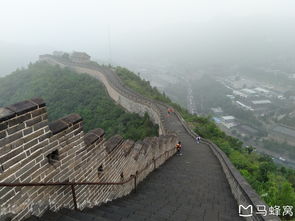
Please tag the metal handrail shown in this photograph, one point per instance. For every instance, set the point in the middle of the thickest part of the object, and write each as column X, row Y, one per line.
column 211, row 145
column 73, row 184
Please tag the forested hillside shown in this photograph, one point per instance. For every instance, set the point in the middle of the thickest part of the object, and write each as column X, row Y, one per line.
column 66, row 92
column 275, row 184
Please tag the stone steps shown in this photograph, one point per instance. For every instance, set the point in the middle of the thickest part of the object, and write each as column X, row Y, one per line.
column 185, row 188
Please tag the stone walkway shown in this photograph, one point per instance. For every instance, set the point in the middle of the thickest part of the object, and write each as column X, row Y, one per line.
column 188, row 187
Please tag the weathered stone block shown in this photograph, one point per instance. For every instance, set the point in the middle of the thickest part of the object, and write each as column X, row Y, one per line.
column 76, row 126
column 13, row 161
column 127, row 147
column 4, row 190
column 90, row 138
column 27, row 131
column 45, row 136
column 30, row 144
column 2, row 134
column 137, row 148
column 33, row 121
column 10, row 139
column 36, row 179
column 44, row 162
column 33, row 136
column 58, row 126
column 27, row 174
column 76, row 132
column 6, row 197
column 50, row 146
column 67, row 135
column 72, row 118
column 44, row 116
column 39, row 159
column 113, row 142
column 19, row 120
column 23, row 107
column 39, row 101
column 6, row 114
column 38, row 112
column 3, row 125
column 24, row 168
column 16, row 128
column 39, row 125
column 98, row 131
column 11, row 154
column 39, row 146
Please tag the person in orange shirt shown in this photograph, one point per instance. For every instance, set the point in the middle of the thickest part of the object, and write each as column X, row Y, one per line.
column 178, row 148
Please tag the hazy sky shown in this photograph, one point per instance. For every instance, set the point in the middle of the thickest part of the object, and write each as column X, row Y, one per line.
column 51, row 21
column 132, row 24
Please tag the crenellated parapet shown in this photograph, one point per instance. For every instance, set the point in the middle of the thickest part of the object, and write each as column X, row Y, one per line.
column 128, row 99
column 35, row 151
column 134, row 102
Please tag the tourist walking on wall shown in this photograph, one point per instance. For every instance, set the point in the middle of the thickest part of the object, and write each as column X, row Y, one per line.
column 178, row 148
column 169, row 111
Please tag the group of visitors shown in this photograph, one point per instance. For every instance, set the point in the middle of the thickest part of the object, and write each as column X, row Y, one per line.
column 179, row 146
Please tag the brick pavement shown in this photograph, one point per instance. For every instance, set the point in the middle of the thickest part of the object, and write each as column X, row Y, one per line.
column 188, row 187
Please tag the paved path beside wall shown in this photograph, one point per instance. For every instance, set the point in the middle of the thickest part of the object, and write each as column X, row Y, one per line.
column 200, row 185
column 188, row 187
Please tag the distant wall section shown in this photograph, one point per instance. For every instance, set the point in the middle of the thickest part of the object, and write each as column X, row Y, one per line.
column 116, row 91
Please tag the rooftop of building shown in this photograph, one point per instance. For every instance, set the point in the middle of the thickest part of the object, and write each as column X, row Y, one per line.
column 259, row 89
column 228, row 117
column 244, row 106
column 261, row 102
column 235, row 92
column 217, row 109
column 248, row 91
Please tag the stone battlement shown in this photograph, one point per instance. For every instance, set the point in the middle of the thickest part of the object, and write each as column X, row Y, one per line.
column 135, row 102
column 32, row 150
column 128, row 99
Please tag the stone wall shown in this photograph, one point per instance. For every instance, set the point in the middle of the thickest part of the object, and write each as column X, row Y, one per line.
column 244, row 194
column 35, row 151
column 242, row 191
column 128, row 99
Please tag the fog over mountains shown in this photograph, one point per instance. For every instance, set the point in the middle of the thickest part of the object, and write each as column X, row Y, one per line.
column 190, row 44
column 225, row 41
column 13, row 56
column 187, row 34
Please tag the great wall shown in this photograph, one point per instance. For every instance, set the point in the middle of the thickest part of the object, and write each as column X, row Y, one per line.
column 49, row 166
